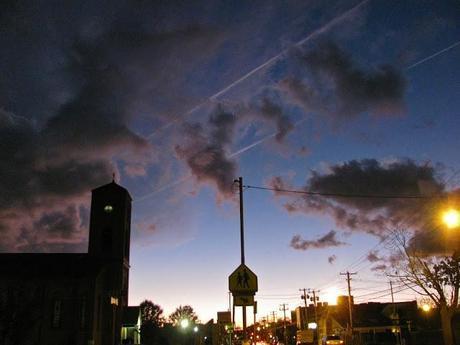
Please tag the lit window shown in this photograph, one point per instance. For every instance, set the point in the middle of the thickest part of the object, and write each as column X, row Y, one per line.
column 108, row 208
column 113, row 300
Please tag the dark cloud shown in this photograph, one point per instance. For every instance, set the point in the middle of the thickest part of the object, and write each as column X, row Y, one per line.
column 335, row 85
column 326, row 241
column 332, row 259
column 61, row 230
column 74, row 84
column 206, row 147
column 372, row 256
column 379, row 268
column 376, row 216
column 205, row 151
column 431, row 240
column 273, row 112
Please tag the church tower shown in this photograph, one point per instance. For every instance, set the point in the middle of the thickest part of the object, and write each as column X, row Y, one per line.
column 110, row 222
column 109, row 242
column 109, row 233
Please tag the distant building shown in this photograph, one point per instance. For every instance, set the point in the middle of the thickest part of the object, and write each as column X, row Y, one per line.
column 71, row 299
column 131, row 326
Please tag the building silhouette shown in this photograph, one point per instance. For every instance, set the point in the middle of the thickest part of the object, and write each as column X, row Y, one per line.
column 73, row 299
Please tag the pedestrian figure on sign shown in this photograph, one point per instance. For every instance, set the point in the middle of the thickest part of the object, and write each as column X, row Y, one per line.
column 245, row 279
column 239, row 279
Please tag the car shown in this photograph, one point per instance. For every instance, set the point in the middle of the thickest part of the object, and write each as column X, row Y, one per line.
column 332, row 340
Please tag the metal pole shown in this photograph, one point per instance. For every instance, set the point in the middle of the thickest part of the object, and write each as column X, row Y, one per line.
column 240, row 185
column 244, row 323
column 229, row 301
column 254, row 339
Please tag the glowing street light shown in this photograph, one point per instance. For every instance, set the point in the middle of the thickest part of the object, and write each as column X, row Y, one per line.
column 195, row 329
column 184, row 323
column 451, row 218
column 426, row 308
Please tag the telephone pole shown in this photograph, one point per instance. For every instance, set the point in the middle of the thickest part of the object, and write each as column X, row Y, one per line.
column 304, row 297
column 283, row 308
column 395, row 316
column 273, row 315
column 314, row 299
column 350, row 305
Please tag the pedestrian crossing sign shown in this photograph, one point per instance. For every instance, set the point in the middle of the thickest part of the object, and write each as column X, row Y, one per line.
column 242, row 282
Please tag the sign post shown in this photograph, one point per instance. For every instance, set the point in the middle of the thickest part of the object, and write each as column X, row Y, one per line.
column 242, row 282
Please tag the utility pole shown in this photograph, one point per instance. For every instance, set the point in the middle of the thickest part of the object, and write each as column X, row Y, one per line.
column 395, row 316
column 350, row 305
column 304, row 297
column 240, row 187
column 283, row 308
column 315, row 300
column 273, row 315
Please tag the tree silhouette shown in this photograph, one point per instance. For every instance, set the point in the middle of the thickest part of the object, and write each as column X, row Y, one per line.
column 151, row 313
column 183, row 312
column 435, row 277
column 152, row 319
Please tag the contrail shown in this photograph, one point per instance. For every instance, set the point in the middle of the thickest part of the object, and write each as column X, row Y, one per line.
column 434, row 55
column 260, row 141
column 158, row 190
column 267, row 63
column 250, row 146
column 169, row 124
column 275, row 58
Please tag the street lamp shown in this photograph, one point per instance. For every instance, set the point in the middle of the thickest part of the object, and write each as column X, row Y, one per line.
column 184, row 323
column 451, row 218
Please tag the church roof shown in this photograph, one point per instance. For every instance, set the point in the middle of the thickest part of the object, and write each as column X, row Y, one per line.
column 131, row 316
column 112, row 186
column 47, row 264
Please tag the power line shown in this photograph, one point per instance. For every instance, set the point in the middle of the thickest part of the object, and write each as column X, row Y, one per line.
column 346, row 195
column 378, row 292
column 389, row 294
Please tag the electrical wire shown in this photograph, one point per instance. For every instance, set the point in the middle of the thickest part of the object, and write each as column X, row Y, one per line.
column 346, row 195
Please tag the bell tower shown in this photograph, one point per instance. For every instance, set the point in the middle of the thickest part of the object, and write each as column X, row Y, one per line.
column 109, row 242
column 110, row 223
column 109, row 234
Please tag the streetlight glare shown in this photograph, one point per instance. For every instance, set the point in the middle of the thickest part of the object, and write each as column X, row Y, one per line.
column 184, row 323
column 426, row 308
column 451, row 218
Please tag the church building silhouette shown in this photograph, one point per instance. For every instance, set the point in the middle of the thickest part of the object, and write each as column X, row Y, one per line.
column 71, row 299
